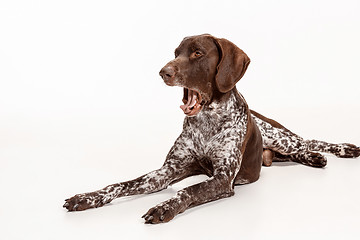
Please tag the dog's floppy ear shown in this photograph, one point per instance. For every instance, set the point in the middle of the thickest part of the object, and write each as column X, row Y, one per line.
column 232, row 65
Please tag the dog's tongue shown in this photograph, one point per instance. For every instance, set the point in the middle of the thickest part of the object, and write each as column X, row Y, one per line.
column 191, row 101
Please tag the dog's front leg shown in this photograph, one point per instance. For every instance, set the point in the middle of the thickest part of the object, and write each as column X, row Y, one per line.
column 220, row 185
column 151, row 182
column 178, row 165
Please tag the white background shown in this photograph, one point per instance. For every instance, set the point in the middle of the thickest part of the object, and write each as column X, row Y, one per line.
column 82, row 106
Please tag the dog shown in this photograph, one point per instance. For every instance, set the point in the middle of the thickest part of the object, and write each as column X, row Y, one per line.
column 221, row 136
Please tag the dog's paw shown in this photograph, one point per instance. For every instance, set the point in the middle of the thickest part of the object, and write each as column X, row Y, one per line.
column 312, row 159
column 164, row 212
column 159, row 214
column 85, row 201
column 315, row 159
column 347, row 150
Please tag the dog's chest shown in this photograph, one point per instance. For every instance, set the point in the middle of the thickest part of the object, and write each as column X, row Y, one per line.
column 217, row 126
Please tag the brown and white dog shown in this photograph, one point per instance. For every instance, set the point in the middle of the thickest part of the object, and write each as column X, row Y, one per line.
column 221, row 136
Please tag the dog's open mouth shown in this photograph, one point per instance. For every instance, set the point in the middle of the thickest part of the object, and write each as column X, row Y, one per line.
column 192, row 102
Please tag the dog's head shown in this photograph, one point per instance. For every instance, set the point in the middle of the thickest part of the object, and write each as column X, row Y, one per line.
column 206, row 67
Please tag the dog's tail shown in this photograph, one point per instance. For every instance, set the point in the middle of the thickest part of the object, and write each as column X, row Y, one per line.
column 343, row 150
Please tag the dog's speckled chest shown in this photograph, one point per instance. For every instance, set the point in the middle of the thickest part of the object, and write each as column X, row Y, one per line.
column 218, row 126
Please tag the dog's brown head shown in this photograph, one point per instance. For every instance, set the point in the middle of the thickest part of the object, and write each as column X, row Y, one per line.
column 206, row 67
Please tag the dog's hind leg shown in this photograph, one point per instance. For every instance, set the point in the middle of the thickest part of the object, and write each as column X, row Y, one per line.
column 286, row 145
column 309, row 158
column 343, row 150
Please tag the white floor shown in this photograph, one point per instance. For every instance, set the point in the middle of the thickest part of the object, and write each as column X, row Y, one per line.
column 44, row 161
column 82, row 106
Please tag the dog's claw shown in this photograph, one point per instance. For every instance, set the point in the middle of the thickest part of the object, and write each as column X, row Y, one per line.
column 148, row 219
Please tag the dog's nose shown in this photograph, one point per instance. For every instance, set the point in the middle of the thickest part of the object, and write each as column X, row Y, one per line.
column 167, row 73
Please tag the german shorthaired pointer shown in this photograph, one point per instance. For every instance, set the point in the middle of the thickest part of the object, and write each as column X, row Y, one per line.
column 221, row 136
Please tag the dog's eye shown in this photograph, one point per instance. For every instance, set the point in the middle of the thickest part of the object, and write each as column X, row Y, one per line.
column 197, row 54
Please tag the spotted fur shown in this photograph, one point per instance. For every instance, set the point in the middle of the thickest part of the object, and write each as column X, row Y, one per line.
column 209, row 144
column 221, row 136
column 288, row 146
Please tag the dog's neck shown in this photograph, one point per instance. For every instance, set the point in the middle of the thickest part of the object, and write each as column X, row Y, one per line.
column 229, row 102
column 219, row 114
